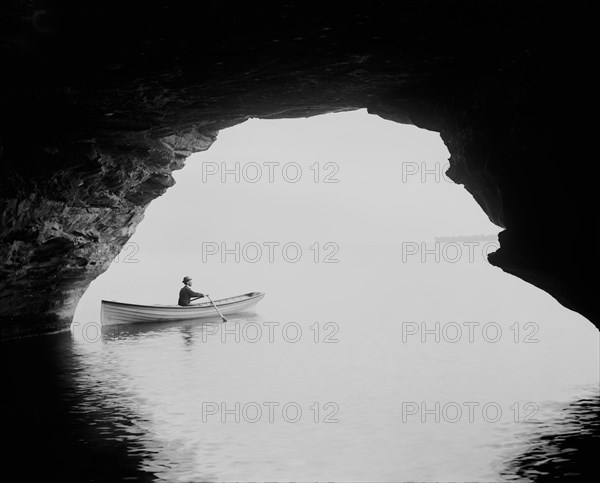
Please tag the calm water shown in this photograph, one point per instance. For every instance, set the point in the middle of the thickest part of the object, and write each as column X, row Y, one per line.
column 328, row 381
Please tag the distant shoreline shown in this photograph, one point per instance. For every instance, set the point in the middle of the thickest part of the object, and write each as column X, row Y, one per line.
column 459, row 238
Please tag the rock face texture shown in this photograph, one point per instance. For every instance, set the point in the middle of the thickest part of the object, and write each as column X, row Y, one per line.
column 101, row 101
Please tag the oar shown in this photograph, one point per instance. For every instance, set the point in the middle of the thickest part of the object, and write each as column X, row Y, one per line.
column 224, row 319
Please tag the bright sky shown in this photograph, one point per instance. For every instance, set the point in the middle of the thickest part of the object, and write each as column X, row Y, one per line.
column 369, row 158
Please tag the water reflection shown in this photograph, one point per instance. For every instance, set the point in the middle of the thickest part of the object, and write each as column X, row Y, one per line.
column 188, row 335
column 56, row 425
column 148, row 368
column 151, row 329
column 126, row 402
column 567, row 448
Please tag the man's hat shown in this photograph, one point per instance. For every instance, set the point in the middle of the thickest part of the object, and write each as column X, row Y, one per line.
column 186, row 279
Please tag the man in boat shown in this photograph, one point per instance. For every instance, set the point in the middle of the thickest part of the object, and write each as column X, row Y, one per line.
column 186, row 293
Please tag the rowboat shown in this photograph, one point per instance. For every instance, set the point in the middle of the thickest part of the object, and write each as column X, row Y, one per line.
column 115, row 313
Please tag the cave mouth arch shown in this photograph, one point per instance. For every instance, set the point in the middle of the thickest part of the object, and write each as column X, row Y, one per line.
column 213, row 204
column 317, row 185
column 534, row 350
column 129, row 178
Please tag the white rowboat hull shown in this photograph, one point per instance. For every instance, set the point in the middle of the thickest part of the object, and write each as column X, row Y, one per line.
column 115, row 313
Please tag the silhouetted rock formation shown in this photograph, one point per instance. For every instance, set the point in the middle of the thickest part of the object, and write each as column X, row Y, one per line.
column 102, row 100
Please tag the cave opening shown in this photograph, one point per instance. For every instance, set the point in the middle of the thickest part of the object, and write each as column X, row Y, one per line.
column 298, row 193
column 302, row 206
column 389, row 252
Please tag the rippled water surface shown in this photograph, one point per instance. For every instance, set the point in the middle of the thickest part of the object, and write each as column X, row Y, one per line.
column 355, row 400
column 564, row 448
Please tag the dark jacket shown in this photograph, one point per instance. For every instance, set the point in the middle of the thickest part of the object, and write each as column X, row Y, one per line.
column 186, row 293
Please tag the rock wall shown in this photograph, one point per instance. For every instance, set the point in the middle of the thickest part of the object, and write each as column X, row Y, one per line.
column 101, row 101
column 61, row 229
